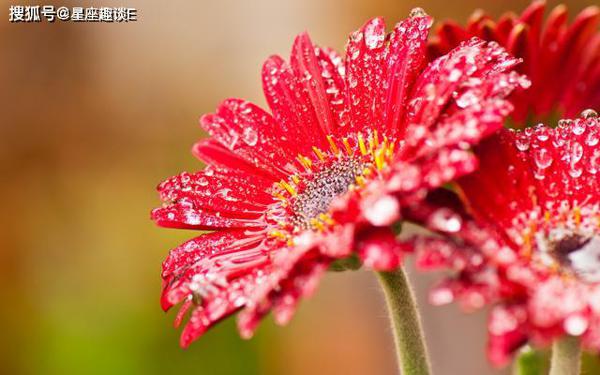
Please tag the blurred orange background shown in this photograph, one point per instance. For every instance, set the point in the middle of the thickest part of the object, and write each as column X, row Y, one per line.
column 93, row 117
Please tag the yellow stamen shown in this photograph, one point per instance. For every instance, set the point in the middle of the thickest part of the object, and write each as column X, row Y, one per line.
column 527, row 245
column 288, row 187
column 281, row 197
column 555, row 267
column 333, row 146
column 306, row 162
column 317, row 224
column 533, row 227
column 318, row 153
column 326, row 219
column 547, row 217
column 371, row 144
column 277, row 234
column 376, row 138
column 390, row 150
column 379, row 159
column 349, row 150
column 361, row 144
column 577, row 215
column 296, row 179
column 360, row 180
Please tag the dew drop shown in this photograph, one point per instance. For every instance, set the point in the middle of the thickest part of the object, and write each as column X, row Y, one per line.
column 384, row 211
column 202, row 181
column 589, row 114
column 576, row 152
column 542, row 133
column 446, row 221
column 454, row 75
column 576, row 325
column 250, row 136
column 575, row 172
column 373, row 38
column 467, row 99
column 578, row 128
column 192, row 218
column 352, row 82
column 542, row 158
column 417, row 12
column 524, row 82
column 522, row 143
column 592, row 139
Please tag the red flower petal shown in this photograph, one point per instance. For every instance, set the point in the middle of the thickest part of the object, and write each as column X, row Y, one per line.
column 182, row 263
column 555, row 56
column 405, row 61
column 250, row 132
column 534, row 190
column 210, row 191
column 218, row 156
column 187, row 217
column 365, row 58
column 332, row 72
column 379, row 250
column 507, row 334
column 291, row 105
column 439, row 81
column 306, row 67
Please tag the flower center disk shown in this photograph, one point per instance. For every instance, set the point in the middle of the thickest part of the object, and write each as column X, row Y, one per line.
column 316, row 194
column 304, row 199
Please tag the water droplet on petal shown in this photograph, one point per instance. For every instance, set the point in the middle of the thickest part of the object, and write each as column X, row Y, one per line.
column 592, row 139
column 417, row 12
column 352, row 82
column 373, row 38
column 446, row 220
column 467, row 99
column 576, row 325
column 542, row 158
column 522, row 143
column 589, row 114
column 578, row 128
column 202, row 181
column 575, row 172
column 250, row 137
column 564, row 122
column 384, row 211
column 576, row 152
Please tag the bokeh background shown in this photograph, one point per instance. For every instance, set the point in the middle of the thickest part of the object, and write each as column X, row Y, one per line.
column 93, row 116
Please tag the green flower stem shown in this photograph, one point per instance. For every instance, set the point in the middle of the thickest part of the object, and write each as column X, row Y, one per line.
column 566, row 357
column 406, row 324
column 530, row 362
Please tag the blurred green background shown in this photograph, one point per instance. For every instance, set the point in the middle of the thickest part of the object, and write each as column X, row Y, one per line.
column 93, row 117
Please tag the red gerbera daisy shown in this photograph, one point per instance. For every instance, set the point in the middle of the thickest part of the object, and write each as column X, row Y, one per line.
column 533, row 247
column 562, row 60
column 288, row 193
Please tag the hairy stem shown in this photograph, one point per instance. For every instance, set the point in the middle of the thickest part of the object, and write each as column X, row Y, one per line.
column 566, row 357
column 406, row 323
